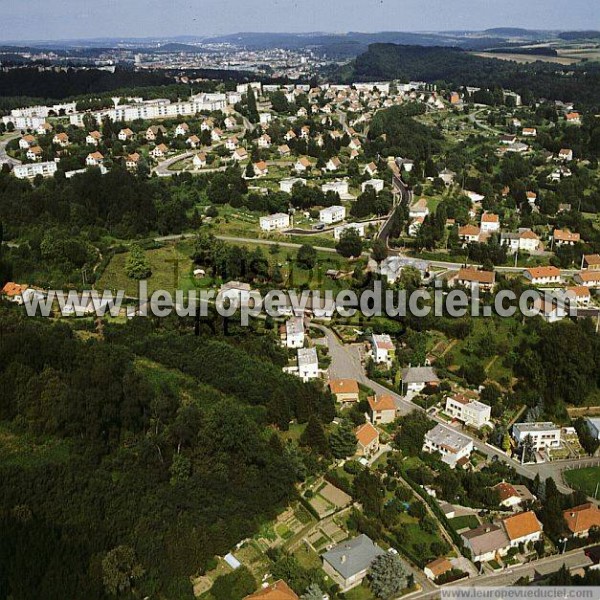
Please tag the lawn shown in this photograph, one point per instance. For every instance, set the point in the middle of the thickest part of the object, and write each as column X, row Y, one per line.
column 585, row 480
column 463, row 522
column 23, row 451
column 162, row 264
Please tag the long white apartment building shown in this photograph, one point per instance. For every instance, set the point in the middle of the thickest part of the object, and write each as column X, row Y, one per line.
column 32, row 170
column 157, row 109
column 332, row 214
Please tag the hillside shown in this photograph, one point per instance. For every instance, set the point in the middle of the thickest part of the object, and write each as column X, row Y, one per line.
column 458, row 67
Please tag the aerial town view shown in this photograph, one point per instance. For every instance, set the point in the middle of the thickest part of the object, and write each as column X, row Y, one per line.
column 299, row 300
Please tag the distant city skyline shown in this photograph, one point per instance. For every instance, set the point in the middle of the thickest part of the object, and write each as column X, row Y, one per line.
column 39, row 20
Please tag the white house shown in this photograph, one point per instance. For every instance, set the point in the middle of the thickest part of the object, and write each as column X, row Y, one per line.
column 469, row 411
column 358, row 227
column 419, row 209
column 333, row 164
column 383, row 349
column 489, row 223
column 339, row 186
column 94, row 159
column 199, row 160
column 332, row 214
column 294, row 332
column 286, row 185
column 543, row 435
column 264, row 141
column 308, row 364
column 182, row 129
column 415, row 379
column 542, row 275
column 523, row 241
column 231, row 144
column 376, row 184
column 275, row 222
column 522, row 528
column 453, row 446
column 93, row 138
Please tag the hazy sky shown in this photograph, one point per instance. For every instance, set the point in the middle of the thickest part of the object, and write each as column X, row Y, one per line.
column 69, row 19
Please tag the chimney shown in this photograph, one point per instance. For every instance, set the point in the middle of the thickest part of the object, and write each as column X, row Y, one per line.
column 343, row 560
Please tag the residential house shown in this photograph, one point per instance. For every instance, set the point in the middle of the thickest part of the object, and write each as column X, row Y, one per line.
column 308, row 364
column 13, row 292
column 469, row 234
column 580, row 294
column 565, row 154
column 294, row 332
column 265, row 119
column 302, row 165
column 93, row 138
column 468, row 410
column 284, row 150
column 207, row 124
column 34, row 154
column 581, row 519
column 414, row 226
column 415, row 379
column 332, row 214
column 240, row 154
column 182, row 129
column 230, row 123
column 550, row 310
column 542, row 275
column 94, row 159
column 264, row 141
column 418, row 209
column 564, row 237
column 371, row 169
column 474, row 278
column 383, row 349
column 511, row 495
column 543, row 435
column 437, row 568
column 367, row 440
column 132, row 161
column 523, row 241
column 199, row 161
column 44, row 129
column 193, row 141
column 61, row 139
column 260, row 169
column 276, row 591
column 348, row 563
column 346, row 391
column 591, row 261
column 489, row 222
column 447, row 176
column 522, row 528
column 382, row 409
column 275, row 222
column 590, row 279
column 376, row 184
column 153, row 132
column 340, row 229
column 216, row 134
column 573, row 118
column 287, row 185
column 339, row 186
column 232, row 143
column 159, row 151
column 529, row 131
column 508, row 139
column 355, row 145
column 486, row 542
column 26, row 142
column 236, row 292
column 290, row 135
column 333, row 164
column 455, row 448
column 125, row 135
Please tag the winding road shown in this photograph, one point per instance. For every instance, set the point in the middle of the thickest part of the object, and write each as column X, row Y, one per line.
column 4, row 157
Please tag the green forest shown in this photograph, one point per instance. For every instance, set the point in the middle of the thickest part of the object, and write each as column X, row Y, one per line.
column 128, row 462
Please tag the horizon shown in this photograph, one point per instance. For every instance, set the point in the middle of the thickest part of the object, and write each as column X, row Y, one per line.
column 66, row 20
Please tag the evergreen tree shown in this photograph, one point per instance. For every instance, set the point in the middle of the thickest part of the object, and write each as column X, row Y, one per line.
column 343, row 441
column 314, row 436
column 388, row 576
column 137, row 266
column 251, row 103
column 313, row 592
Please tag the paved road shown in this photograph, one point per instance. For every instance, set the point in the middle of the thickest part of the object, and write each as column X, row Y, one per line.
column 4, row 157
column 573, row 560
column 346, row 363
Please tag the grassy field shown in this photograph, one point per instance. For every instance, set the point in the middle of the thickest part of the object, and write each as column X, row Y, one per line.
column 162, row 278
column 20, row 450
column 465, row 521
column 585, row 480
